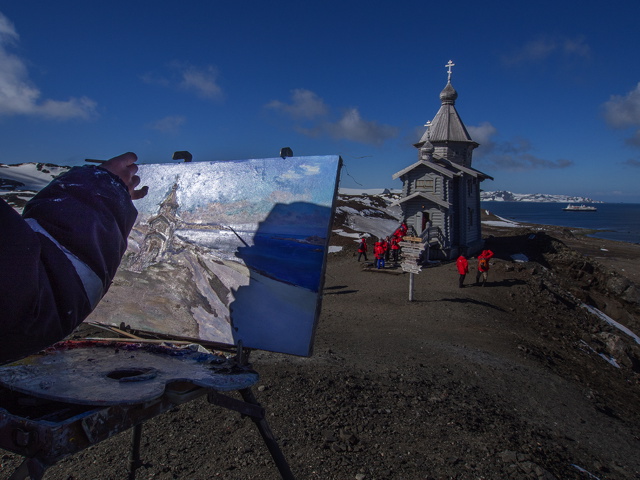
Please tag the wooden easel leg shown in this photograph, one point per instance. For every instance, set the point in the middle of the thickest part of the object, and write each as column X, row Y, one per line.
column 134, row 461
column 268, row 437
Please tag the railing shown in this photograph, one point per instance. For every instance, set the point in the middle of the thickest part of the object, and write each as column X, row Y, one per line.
column 434, row 234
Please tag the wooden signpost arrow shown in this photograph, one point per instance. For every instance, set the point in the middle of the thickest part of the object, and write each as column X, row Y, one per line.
column 412, row 247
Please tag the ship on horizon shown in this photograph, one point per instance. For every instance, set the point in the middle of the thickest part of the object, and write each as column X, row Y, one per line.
column 579, row 208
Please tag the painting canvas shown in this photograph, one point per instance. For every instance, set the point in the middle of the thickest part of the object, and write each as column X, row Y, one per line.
column 228, row 251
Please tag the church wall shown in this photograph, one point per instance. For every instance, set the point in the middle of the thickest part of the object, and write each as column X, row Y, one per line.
column 455, row 154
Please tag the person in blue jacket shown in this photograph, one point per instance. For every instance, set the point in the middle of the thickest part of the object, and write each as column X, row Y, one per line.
column 58, row 259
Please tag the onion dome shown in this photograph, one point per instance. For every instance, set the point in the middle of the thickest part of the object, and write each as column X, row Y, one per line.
column 448, row 95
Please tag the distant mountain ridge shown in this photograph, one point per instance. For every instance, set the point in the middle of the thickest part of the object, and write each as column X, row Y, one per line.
column 505, row 196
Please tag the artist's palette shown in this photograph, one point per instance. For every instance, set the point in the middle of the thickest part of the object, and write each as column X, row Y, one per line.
column 118, row 373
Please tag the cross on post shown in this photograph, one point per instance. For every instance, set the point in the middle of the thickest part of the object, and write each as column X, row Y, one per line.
column 449, row 65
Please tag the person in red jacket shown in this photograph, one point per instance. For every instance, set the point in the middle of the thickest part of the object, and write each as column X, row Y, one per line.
column 59, row 258
column 378, row 251
column 362, row 249
column 483, row 266
column 463, row 268
column 401, row 231
column 395, row 248
column 387, row 249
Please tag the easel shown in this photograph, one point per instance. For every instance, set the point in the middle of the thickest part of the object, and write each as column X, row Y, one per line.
column 60, row 427
column 47, row 431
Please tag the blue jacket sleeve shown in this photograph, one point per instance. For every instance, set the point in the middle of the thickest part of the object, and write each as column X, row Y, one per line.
column 62, row 256
column 88, row 211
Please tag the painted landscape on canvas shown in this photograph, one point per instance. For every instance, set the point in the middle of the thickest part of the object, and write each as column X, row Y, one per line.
column 228, row 251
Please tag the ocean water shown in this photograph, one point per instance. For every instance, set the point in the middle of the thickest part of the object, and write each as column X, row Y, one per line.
column 613, row 221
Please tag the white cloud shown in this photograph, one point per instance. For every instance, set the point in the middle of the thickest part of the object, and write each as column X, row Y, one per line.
column 308, row 106
column 305, row 104
column 483, row 134
column 18, row 94
column 546, row 46
column 8, row 32
column 353, row 127
column 632, row 162
column 523, row 161
column 512, row 155
column 170, row 124
column 623, row 112
column 202, row 81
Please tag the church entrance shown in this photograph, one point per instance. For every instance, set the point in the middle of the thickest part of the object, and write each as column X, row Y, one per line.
column 425, row 221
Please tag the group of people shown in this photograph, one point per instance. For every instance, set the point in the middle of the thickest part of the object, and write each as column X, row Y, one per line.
column 384, row 250
column 482, row 271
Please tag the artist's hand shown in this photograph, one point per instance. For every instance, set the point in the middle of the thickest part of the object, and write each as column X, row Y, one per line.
column 124, row 166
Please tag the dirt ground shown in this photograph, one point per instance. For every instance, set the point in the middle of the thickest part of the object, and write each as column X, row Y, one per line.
column 511, row 380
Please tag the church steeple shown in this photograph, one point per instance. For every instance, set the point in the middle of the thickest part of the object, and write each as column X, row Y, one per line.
column 446, row 132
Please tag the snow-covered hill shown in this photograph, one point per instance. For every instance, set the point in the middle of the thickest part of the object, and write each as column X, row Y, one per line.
column 20, row 182
column 28, row 176
column 505, row 196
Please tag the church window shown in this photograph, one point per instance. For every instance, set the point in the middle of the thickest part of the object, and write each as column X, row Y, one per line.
column 425, row 184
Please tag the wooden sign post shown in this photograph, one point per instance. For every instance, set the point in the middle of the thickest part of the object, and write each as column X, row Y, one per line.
column 412, row 248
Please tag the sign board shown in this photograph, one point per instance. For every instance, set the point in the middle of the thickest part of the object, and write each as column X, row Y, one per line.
column 412, row 248
column 229, row 251
column 407, row 267
column 411, row 251
column 411, row 245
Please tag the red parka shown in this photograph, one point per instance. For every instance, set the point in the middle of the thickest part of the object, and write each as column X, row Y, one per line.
column 463, row 265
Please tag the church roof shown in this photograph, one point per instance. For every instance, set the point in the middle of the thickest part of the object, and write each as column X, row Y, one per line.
column 468, row 170
column 446, row 125
column 429, row 165
column 426, row 196
column 443, row 167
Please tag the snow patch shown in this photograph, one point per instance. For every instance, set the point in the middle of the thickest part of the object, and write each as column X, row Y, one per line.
column 519, row 257
column 611, row 322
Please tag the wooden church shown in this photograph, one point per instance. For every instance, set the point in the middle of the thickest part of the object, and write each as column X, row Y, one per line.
column 441, row 191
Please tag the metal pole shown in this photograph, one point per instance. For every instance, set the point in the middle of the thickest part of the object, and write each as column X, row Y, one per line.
column 411, row 287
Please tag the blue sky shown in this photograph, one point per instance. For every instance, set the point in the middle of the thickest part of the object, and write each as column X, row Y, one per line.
column 551, row 90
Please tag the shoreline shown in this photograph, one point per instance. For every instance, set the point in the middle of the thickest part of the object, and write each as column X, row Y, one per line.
column 621, row 256
column 612, row 221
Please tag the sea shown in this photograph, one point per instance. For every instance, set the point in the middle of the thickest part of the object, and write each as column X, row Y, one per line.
column 612, row 221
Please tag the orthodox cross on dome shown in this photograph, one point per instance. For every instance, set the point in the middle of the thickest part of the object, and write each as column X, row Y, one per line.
column 449, row 65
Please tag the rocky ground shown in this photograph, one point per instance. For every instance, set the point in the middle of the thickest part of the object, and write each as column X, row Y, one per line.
column 511, row 380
